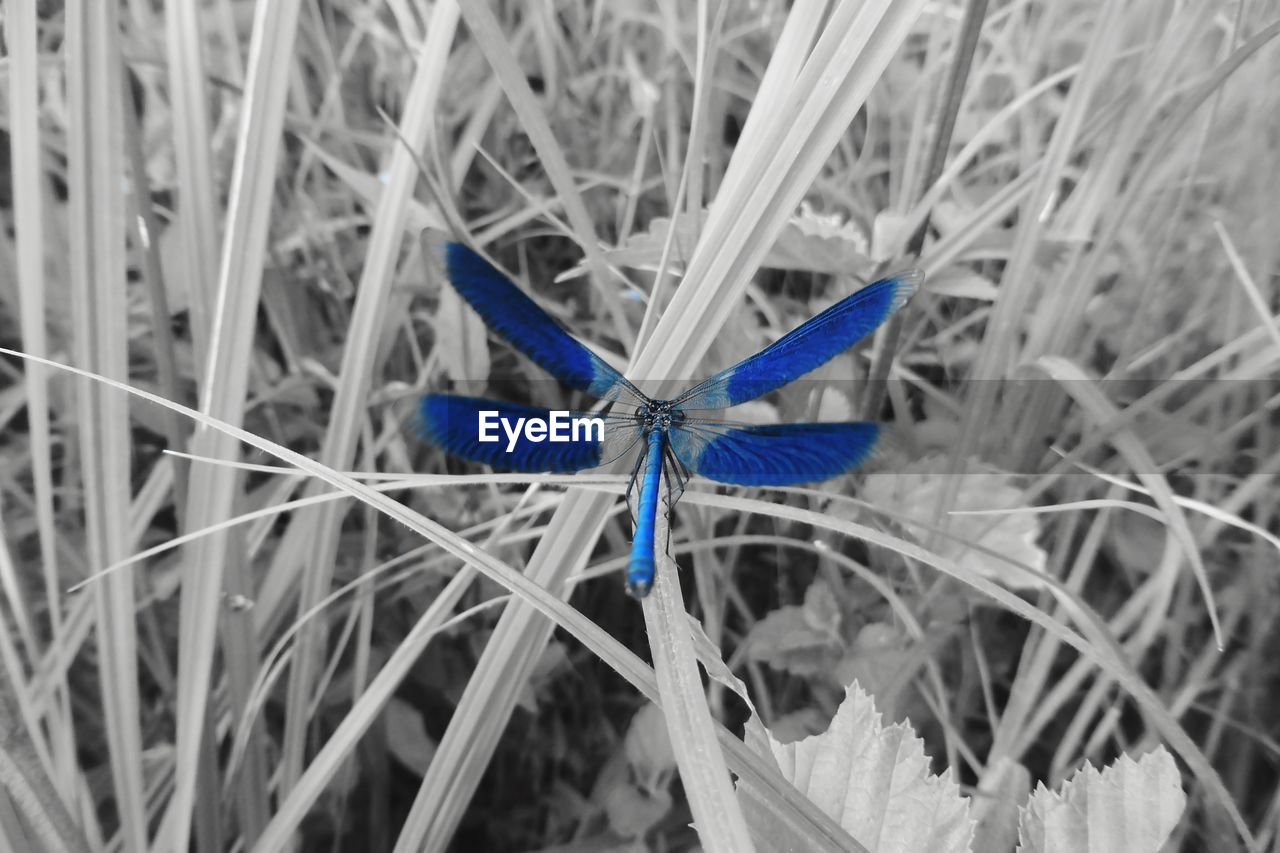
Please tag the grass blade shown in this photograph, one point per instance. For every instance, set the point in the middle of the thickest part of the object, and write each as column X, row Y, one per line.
column 224, row 384
column 95, row 166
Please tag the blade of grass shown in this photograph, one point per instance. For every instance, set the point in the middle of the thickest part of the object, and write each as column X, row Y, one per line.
column 716, row 811
column 223, row 387
column 1256, row 299
column 28, row 224
column 198, row 223
column 147, row 231
column 95, row 170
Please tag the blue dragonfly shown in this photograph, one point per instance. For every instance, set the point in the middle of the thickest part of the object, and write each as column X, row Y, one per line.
column 676, row 435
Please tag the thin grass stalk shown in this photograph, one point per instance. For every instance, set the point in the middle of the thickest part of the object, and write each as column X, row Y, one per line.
column 147, row 231
column 97, row 231
column 240, row 643
column 21, row 40
column 223, row 388
column 364, row 339
column 198, row 223
column 975, row 13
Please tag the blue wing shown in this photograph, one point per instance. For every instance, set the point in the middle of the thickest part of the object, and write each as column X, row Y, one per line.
column 454, row 423
column 772, row 454
column 517, row 318
column 806, row 347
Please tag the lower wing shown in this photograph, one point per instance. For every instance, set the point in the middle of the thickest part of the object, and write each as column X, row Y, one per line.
column 772, row 454
column 498, row 434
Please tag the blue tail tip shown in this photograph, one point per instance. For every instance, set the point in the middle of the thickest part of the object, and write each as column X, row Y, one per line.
column 639, row 589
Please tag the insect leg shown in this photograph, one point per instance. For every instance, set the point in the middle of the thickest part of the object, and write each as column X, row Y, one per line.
column 672, row 469
column 631, row 484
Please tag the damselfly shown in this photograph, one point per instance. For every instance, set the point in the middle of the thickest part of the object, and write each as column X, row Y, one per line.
column 674, row 434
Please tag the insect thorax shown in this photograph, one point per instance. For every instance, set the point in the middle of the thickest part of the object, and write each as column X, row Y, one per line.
column 660, row 415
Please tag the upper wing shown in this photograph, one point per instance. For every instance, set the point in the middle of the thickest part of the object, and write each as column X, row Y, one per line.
column 773, row 454
column 517, row 318
column 455, row 424
column 806, row 347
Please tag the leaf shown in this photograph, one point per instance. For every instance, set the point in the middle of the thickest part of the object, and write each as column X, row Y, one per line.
column 407, row 737
column 875, row 781
column 632, row 812
column 820, row 243
column 803, row 640
column 648, row 748
column 984, row 490
column 1130, row 807
column 878, row 658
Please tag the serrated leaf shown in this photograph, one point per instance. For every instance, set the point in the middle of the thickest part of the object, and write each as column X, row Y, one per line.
column 820, row 243
column 1130, row 807
column 875, row 781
